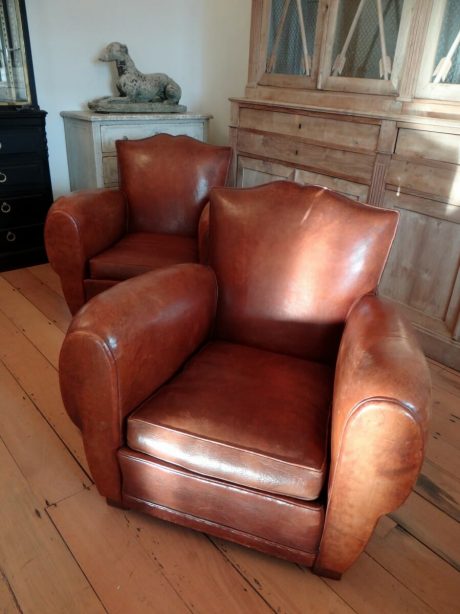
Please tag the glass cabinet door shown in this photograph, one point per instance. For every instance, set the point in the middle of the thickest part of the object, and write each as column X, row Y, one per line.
column 15, row 79
column 293, row 29
column 367, row 44
column 440, row 69
column 402, row 48
column 366, row 35
column 292, row 36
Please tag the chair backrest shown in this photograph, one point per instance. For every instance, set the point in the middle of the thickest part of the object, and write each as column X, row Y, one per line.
column 167, row 180
column 290, row 261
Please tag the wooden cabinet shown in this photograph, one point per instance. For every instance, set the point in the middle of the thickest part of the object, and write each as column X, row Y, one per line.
column 25, row 188
column 423, row 183
column 90, row 140
column 315, row 112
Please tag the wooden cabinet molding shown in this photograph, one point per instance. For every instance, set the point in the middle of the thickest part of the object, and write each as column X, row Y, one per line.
column 417, row 37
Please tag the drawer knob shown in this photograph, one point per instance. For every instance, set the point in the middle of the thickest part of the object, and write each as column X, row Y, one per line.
column 10, row 236
column 5, row 207
column 3, row 177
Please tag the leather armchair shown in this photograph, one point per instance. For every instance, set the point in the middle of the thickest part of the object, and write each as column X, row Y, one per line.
column 270, row 398
column 96, row 238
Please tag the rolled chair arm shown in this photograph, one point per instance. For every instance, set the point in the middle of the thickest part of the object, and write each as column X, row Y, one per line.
column 379, row 424
column 79, row 226
column 121, row 346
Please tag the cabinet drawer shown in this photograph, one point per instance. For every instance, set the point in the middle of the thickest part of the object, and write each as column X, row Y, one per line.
column 252, row 172
column 436, row 180
column 110, row 134
column 20, row 211
column 345, row 164
column 13, row 175
column 22, row 238
column 340, row 133
column 21, row 140
column 356, row 191
column 110, row 171
column 427, row 145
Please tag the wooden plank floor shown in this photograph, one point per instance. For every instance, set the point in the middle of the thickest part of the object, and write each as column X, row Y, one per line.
column 63, row 550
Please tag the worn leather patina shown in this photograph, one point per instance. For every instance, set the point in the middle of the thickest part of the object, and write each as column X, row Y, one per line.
column 271, row 397
column 96, row 238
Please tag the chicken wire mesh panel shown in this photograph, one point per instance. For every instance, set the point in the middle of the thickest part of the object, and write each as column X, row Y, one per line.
column 448, row 38
column 285, row 49
column 362, row 55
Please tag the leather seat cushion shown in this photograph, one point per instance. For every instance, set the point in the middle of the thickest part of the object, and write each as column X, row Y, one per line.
column 243, row 415
column 140, row 252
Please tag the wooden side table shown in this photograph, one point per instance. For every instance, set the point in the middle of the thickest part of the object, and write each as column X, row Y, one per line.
column 90, row 140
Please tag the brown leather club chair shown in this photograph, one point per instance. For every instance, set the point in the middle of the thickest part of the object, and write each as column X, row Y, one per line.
column 95, row 239
column 271, row 398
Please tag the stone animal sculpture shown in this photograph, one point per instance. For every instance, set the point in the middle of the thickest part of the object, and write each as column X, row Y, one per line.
column 142, row 92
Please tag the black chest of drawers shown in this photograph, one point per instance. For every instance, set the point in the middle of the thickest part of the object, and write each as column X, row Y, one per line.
column 25, row 187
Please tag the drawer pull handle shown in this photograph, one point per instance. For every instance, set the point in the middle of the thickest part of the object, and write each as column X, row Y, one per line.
column 10, row 236
column 1, row 144
column 3, row 177
column 5, row 208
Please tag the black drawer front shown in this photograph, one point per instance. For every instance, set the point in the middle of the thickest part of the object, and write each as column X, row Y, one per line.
column 20, row 175
column 21, row 140
column 24, row 237
column 21, row 211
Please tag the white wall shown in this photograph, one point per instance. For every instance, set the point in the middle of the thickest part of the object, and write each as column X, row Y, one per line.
column 202, row 44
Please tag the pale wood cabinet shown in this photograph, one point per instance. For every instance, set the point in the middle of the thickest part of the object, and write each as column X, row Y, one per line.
column 90, row 140
column 314, row 112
